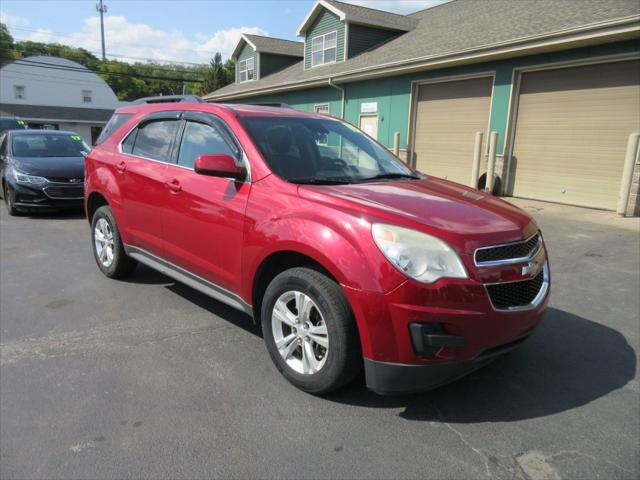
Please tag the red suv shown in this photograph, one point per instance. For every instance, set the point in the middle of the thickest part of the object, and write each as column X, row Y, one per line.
column 345, row 255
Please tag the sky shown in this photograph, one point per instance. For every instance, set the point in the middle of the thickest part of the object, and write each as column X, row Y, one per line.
column 189, row 31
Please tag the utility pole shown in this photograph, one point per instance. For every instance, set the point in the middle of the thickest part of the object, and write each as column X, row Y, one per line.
column 102, row 9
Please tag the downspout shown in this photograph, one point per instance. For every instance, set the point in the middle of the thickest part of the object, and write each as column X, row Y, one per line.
column 337, row 87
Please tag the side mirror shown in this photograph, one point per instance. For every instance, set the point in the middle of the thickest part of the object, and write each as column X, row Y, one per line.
column 219, row 166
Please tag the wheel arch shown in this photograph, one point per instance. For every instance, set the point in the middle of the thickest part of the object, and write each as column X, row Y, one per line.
column 95, row 200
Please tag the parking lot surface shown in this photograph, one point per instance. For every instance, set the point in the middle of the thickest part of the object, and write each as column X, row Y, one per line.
column 147, row 378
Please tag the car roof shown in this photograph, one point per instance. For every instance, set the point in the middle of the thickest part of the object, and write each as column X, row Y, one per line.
column 240, row 110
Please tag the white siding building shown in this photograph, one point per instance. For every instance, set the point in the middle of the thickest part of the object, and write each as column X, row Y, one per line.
column 52, row 92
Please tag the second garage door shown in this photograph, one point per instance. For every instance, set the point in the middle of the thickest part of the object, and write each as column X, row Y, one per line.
column 448, row 115
column 571, row 132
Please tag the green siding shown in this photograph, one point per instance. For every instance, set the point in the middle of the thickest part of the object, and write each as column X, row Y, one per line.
column 304, row 99
column 325, row 23
column 393, row 94
column 363, row 38
column 272, row 63
column 246, row 52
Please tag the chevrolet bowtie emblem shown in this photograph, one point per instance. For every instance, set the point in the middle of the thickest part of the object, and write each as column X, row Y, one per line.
column 530, row 269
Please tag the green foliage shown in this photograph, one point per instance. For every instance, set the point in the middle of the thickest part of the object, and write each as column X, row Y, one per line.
column 129, row 80
column 7, row 52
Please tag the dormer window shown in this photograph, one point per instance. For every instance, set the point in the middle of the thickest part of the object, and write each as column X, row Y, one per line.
column 246, row 70
column 323, row 49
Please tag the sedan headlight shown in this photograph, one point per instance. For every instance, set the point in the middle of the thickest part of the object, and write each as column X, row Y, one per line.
column 24, row 179
column 418, row 255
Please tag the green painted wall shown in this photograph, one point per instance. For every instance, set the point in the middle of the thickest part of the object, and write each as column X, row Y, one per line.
column 393, row 94
column 304, row 99
column 363, row 38
column 272, row 63
column 325, row 23
column 246, row 52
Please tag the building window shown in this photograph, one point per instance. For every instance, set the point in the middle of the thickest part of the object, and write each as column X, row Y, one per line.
column 246, row 69
column 19, row 92
column 323, row 49
column 322, row 108
column 87, row 96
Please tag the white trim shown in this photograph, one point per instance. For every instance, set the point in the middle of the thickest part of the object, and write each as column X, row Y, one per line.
column 512, row 119
column 413, row 110
column 346, row 42
column 313, row 13
column 580, row 36
column 244, row 38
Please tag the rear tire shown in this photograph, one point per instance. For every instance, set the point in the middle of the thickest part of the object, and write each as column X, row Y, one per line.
column 310, row 332
column 107, row 246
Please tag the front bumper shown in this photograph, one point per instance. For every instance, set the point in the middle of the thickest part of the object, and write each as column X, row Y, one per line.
column 51, row 196
column 385, row 378
column 418, row 336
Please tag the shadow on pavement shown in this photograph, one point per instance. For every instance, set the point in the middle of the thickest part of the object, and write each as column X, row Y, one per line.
column 568, row 362
column 67, row 214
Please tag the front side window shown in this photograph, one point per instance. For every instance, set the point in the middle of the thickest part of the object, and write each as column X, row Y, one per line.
column 49, row 145
column 200, row 139
column 322, row 150
column 246, row 69
column 153, row 140
column 323, row 49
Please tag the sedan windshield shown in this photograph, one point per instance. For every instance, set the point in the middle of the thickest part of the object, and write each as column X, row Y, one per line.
column 322, row 151
column 49, row 145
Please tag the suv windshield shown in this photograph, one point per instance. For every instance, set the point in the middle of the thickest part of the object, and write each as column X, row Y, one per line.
column 49, row 145
column 319, row 150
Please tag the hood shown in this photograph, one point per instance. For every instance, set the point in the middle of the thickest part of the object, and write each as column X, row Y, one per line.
column 453, row 212
column 51, row 167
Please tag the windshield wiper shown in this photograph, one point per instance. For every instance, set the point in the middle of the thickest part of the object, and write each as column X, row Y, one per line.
column 389, row 176
column 319, row 181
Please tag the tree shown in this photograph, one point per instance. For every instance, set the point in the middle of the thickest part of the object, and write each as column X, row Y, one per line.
column 7, row 52
column 218, row 74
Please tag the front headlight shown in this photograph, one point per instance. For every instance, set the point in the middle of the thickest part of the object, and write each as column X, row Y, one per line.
column 418, row 255
column 24, row 179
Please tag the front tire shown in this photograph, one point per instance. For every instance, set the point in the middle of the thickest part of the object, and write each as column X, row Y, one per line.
column 107, row 246
column 310, row 332
column 9, row 201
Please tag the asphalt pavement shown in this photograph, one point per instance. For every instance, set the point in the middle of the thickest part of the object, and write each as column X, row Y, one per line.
column 147, row 378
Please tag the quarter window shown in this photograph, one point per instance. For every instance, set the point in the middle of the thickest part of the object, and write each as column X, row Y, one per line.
column 200, row 139
column 247, row 69
column 323, row 48
column 154, row 140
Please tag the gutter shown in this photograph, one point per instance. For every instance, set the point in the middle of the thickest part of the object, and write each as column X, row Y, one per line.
column 625, row 27
column 341, row 89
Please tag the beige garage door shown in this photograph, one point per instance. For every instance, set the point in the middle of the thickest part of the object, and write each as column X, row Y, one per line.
column 571, row 132
column 448, row 115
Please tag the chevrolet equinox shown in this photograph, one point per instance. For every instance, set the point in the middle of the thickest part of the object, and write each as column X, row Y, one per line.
column 346, row 256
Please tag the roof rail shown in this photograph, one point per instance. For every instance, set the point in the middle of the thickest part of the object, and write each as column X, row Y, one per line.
column 169, row 99
column 271, row 104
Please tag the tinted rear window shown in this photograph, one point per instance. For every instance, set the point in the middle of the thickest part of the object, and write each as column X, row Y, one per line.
column 115, row 122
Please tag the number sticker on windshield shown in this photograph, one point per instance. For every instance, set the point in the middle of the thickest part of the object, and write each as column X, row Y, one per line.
column 76, row 137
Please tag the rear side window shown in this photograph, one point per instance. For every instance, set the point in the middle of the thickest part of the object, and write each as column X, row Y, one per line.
column 154, row 140
column 114, row 123
column 200, row 139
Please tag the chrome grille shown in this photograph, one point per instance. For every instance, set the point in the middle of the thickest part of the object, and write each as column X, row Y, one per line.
column 508, row 252
column 519, row 295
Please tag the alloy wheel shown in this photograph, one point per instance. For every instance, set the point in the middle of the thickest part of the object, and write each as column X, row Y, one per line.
column 103, row 239
column 300, row 332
